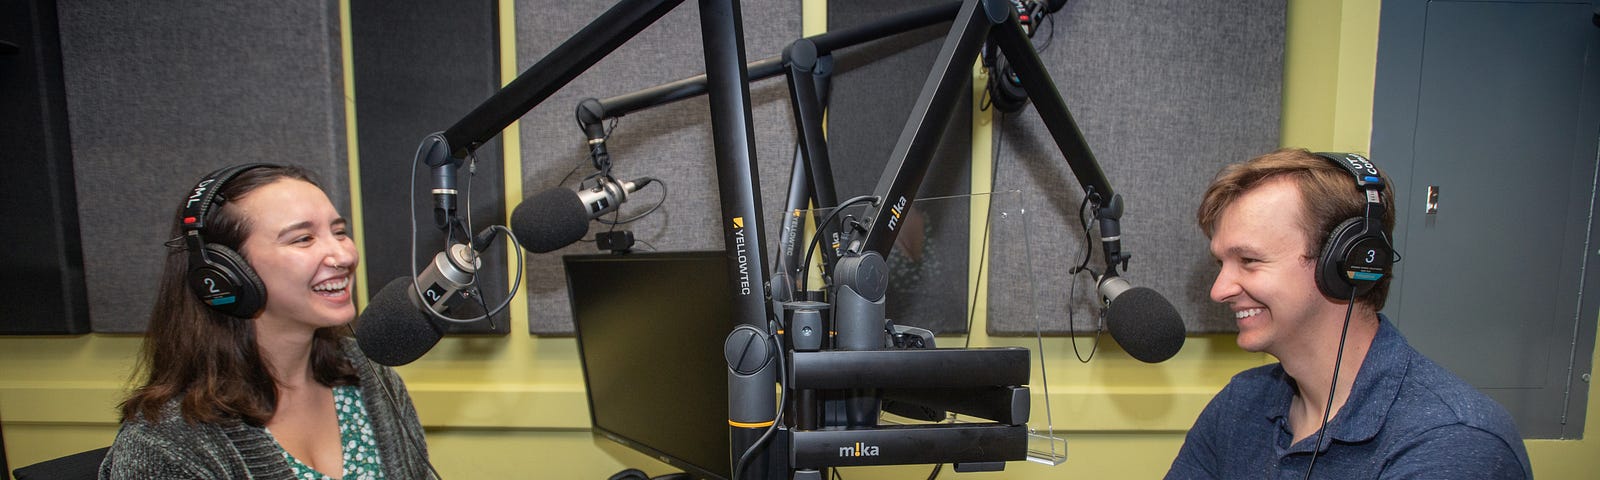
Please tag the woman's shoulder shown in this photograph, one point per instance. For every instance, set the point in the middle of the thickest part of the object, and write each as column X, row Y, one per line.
column 167, row 420
column 161, row 445
column 168, row 428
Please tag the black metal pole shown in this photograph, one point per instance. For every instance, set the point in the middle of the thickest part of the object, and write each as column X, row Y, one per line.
column 691, row 87
column 752, row 398
column 769, row 67
column 801, row 56
column 1108, row 206
column 596, row 40
column 891, row 25
column 787, row 270
column 1052, row 109
column 810, row 189
column 908, row 162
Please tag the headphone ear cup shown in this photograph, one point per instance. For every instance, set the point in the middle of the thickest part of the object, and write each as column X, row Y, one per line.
column 1005, row 91
column 1333, row 278
column 227, row 284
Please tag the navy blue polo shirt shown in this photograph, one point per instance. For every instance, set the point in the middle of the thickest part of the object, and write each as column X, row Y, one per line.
column 1406, row 417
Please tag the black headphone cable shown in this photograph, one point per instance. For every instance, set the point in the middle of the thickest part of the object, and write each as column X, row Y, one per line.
column 1333, row 387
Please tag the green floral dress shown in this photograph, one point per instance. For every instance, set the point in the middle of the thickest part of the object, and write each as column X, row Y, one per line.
column 361, row 460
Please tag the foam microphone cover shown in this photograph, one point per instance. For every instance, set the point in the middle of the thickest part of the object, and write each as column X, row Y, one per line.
column 1145, row 324
column 394, row 331
column 550, row 220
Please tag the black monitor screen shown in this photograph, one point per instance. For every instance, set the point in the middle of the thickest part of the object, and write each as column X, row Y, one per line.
column 650, row 330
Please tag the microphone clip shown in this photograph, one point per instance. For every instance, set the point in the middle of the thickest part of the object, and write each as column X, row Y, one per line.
column 591, row 117
column 1109, row 214
column 435, row 153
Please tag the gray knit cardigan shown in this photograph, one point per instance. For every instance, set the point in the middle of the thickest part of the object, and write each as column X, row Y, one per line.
column 173, row 448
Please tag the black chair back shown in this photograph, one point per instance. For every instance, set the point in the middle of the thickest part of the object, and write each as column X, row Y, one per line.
column 78, row 466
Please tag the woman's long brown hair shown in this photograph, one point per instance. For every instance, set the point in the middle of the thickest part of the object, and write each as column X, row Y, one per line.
column 209, row 359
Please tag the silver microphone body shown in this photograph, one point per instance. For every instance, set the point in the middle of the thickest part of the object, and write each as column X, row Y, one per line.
column 1112, row 287
column 606, row 195
column 442, row 281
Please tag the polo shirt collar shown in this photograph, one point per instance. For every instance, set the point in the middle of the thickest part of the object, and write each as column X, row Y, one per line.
column 1376, row 387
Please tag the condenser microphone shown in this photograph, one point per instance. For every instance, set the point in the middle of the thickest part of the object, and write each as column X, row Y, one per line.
column 399, row 324
column 1141, row 320
column 555, row 218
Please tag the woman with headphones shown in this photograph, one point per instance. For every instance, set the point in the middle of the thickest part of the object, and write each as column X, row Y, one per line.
column 248, row 369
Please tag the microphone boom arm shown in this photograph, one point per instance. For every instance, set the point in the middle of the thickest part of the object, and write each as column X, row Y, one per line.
column 979, row 20
column 809, row 76
column 445, row 151
column 813, row 174
column 595, row 41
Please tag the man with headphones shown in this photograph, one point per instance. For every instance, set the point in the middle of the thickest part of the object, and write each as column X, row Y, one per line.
column 1303, row 244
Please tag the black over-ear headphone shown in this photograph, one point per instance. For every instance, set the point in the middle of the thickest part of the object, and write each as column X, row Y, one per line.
column 1357, row 253
column 218, row 276
column 1005, row 88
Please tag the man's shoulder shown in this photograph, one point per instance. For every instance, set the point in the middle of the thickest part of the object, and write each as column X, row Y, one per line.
column 1436, row 413
column 1426, row 421
column 1432, row 396
column 1427, row 395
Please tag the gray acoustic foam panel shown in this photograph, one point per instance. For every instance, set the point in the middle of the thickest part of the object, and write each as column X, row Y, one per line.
column 874, row 89
column 410, row 82
column 1166, row 92
column 160, row 93
column 670, row 142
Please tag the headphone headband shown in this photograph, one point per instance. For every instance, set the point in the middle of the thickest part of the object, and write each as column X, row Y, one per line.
column 204, row 195
column 1365, row 173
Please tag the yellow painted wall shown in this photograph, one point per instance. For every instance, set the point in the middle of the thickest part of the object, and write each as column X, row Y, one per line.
column 513, row 407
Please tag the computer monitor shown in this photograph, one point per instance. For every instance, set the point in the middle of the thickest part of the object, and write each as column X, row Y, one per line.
column 650, row 330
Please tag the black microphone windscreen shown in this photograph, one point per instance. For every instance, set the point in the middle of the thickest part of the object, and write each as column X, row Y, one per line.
column 1145, row 324
column 393, row 331
column 550, row 220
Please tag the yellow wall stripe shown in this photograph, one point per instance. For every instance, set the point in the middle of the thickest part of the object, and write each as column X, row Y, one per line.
column 352, row 152
column 511, row 156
